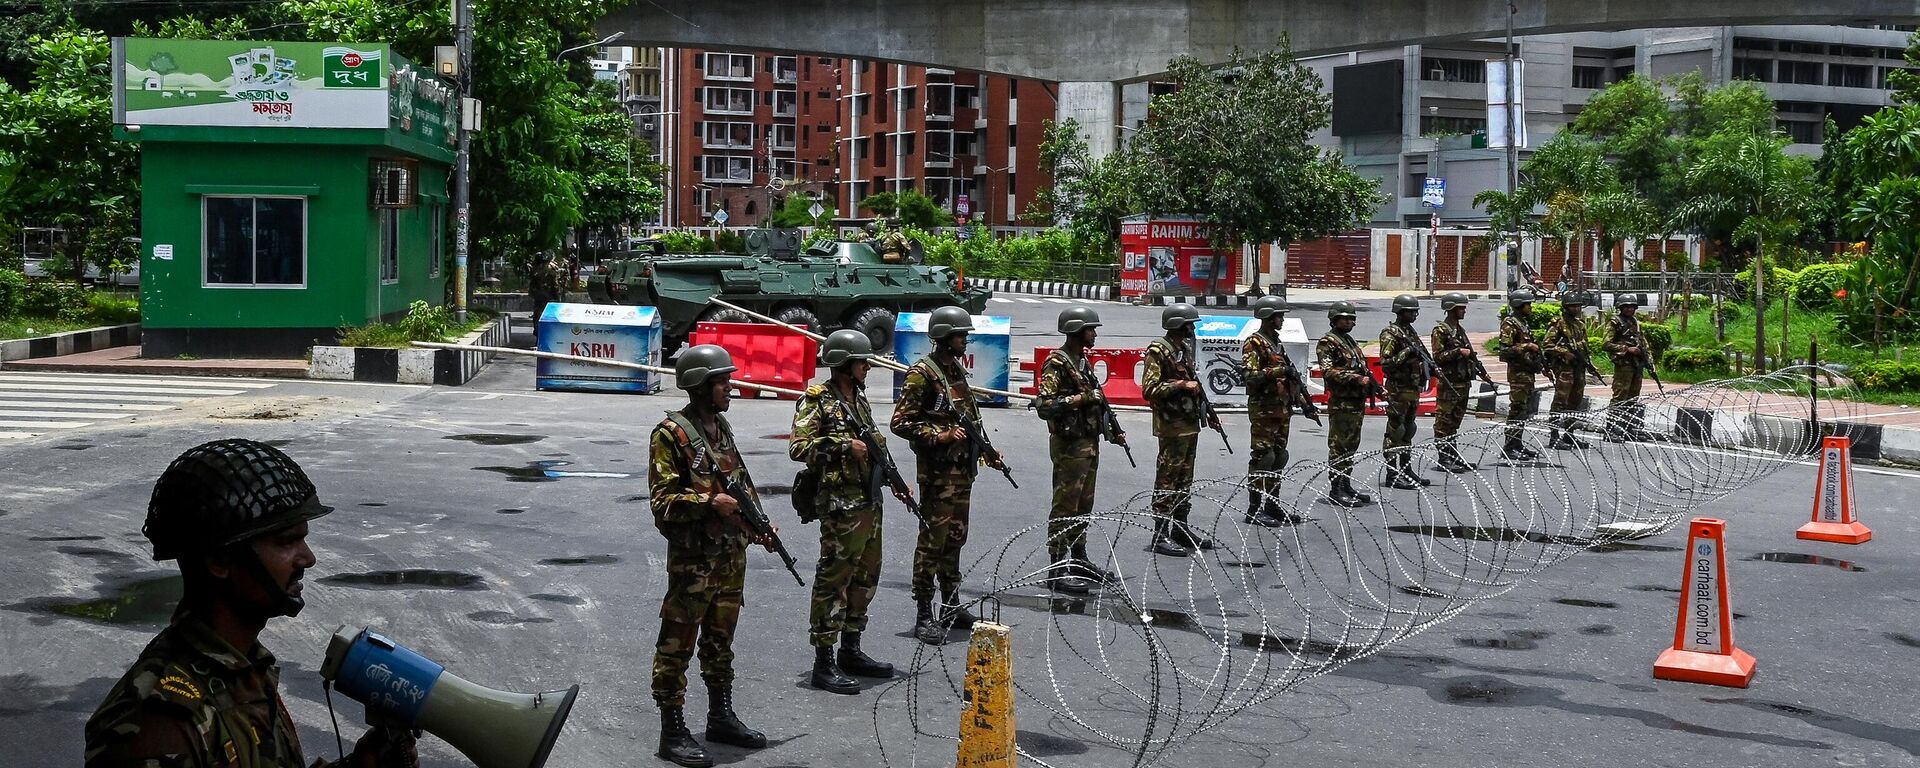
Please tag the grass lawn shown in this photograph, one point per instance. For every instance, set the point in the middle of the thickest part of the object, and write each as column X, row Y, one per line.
column 392, row 336
column 1803, row 327
column 30, row 327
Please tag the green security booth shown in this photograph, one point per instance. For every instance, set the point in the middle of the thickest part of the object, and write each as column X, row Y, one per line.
column 287, row 190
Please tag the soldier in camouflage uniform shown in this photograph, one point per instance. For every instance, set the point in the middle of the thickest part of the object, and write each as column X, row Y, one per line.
column 893, row 247
column 693, row 457
column 1173, row 390
column 1350, row 384
column 1074, row 407
column 1403, row 358
column 1271, row 395
column 1520, row 350
column 945, row 464
column 1626, row 344
column 825, row 424
column 1566, row 348
column 1454, row 353
column 205, row 692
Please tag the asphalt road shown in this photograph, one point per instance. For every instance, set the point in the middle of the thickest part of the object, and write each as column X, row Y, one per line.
column 525, row 577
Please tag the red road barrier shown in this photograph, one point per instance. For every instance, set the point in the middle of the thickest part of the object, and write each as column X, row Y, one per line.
column 1833, row 497
column 1116, row 367
column 1428, row 404
column 765, row 354
column 1703, row 650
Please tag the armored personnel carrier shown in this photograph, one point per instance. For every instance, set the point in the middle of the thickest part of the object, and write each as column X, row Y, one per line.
column 823, row 287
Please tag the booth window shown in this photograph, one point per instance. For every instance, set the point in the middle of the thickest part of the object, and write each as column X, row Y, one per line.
column 255, row 241
column 437, row 222
column 389, row 245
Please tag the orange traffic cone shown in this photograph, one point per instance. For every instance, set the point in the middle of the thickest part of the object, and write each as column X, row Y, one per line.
column 1833, row 497
column 1703, row 649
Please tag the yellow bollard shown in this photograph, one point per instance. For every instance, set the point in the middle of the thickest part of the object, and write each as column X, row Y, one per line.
column 986, row 724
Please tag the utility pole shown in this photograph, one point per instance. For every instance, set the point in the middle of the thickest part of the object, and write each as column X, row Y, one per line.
column 1513, row 150
column 462, row 173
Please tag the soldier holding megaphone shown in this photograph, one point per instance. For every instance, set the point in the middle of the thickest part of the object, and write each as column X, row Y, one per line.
column 205, row 692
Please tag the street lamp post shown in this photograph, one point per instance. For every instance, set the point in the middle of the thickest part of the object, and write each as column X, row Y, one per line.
column 462, row 182
column 1513, row 151
column 594, row 44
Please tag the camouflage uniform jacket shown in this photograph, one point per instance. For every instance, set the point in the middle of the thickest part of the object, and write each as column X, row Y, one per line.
column 893, row 242
column 191, row 699
column 1400, row 358
column 1345, row 367
column 823, row 439
column 1513, row 333
column 1269, row 373
column 1063, row 382
column 923, row 411
column 1448, row 337
column 1565, row 344
column 1176, row 412
column 1622, row 333
column 685, row 471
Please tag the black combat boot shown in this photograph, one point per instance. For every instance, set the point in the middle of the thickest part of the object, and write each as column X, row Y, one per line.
column 925, row 629
column 1163, row 543
column 827, row 675
column 854, row 661
column 676, row 742
column 1342, row 492
column 1087, row 569
column 1066, row 578
column 723, row 726
column 1450, row 460
column 1407, row 473
column 1399, row 474
column 1185, row 534
column 954, row 613
column 1359, row 498
column 1259, row 511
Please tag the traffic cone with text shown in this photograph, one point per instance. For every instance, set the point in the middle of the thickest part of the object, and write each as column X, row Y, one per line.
column 1833, row 497
column 1703, row 649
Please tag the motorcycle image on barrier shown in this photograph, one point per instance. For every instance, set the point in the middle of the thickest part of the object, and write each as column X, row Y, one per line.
column 1223, row 380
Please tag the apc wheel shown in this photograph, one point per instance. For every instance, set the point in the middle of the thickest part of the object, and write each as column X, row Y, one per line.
column 724, row 315
column 877, row 324
column 800, row 316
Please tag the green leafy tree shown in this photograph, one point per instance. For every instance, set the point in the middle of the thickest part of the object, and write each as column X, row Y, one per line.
column 1880, row 164
column 1089, row 196
column 1234, row 144
column 1744, row 181
column 796, row 211
column 618, row 178
column 910, row 206
column 1904, row 84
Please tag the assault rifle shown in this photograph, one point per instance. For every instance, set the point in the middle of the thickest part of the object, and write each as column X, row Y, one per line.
column 1109, row 421
column 1646, row 358
column 882, row 473
column 1192, row 373
column 756, row 520
column 977, row 443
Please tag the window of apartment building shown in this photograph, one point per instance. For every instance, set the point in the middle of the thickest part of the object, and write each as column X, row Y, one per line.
column 1013, row 136
column 783, row 137
column 963, row 143
column 1880, row 78
column 1622, row 72
column 736, row 101
column 1446, row 125
column 880, row 152
column 939, row 147
column 860, row 148
column 1801, row 72
column 1800, row 107
column 728, row 66
column 1589, row 77
column 1452, row 70
column 1416, row 181
column 726, row 170
column 908, row 142
column 727, row 136
column 1801, row 131
column 1752, row 44
column 255, row 241
column 786, row 69
column 824, row 60
column 1796, row 46
column 862, row 105
column 1855, row 51
column 1850, row 75
column 784, row 104
column 1745, row 68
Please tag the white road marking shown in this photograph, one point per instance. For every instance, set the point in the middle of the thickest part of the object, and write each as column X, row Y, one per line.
column 12, row 403
column 44, row 424
column 54, row 378
column 36, row 403
column 127, row 390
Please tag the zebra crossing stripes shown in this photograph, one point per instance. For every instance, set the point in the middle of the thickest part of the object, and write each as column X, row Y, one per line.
column 34, row 404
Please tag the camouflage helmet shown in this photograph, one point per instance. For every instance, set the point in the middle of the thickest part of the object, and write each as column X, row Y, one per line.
column 1626, row 300
column 1573, row 300
column 223, row 493
column 949, row 320
column 1406, row 302
column 1520, row 296
column 893, row 222
column 700, row 363
column 1268, row 306
column 1178, row 316
column 872, row 227
column 1341, row 309
column 844, row 346
column 1451, row 300
column 1076, row 319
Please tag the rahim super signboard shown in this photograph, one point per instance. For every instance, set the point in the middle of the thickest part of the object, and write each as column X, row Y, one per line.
column 252, row 83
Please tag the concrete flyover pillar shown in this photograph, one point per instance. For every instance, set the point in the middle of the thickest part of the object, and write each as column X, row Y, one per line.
column 1096, row 106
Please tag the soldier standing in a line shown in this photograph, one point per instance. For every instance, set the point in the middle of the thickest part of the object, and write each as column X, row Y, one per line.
column 205, row 692
column 1404, row 361
column 1069, row 398
column 693, row 458
column 1520, row 350
column 1271, row 394
column 1349, row 385
column 1627, row 345
column 893, row 246
column 934, row 401
column 1567, row 352
column 1173, row 390
column 825, row 424
column 1454, row 353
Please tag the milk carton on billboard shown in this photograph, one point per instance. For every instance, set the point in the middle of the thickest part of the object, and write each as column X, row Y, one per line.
column 1217, row 340
column 628, row 334
column 988, row 350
